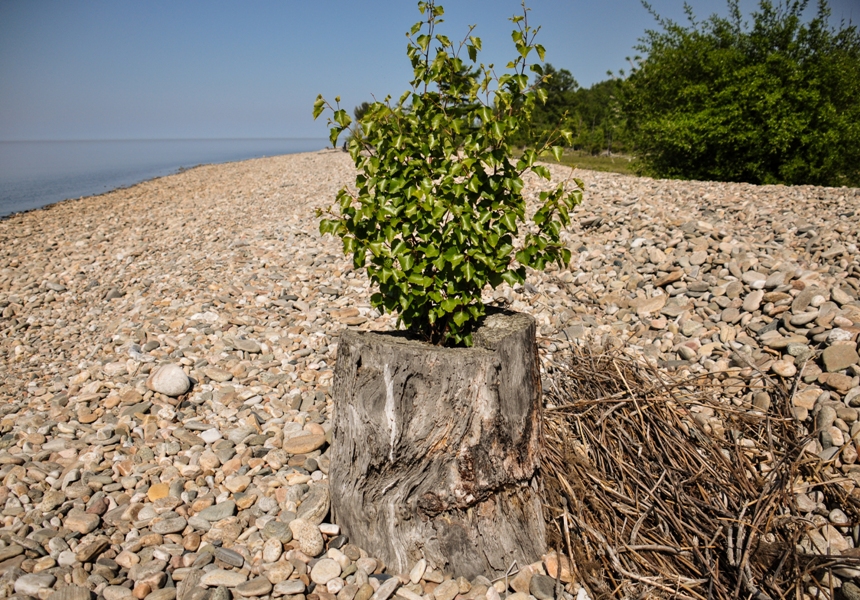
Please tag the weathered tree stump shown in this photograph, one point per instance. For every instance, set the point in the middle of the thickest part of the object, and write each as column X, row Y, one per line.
column 434, row 450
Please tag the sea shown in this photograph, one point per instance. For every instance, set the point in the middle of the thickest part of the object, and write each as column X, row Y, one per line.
column 38, row 173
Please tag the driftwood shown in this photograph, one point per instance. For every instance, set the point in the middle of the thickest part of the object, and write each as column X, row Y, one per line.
column 435, row 449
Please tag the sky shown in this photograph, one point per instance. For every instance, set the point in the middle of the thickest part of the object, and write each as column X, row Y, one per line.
column 161, row 69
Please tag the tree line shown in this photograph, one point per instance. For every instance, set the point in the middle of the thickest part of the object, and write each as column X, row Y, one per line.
column 774, row 98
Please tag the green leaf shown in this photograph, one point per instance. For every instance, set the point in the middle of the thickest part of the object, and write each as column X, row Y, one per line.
column 509, row 220
column 510, row 277
column 541, row 51
column 557, row 152
column 416, row 279
column 319, row 106
column 542, row 171
column 449, row 304
column 453, row 256
column 407, row 261
column 342, row 119
column 468, row 271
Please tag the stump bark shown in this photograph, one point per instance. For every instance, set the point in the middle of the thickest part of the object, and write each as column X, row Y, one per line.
column 435, row 450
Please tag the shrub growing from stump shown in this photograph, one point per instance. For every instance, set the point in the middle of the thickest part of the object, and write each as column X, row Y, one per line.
column 435, row 448
column 437, row 205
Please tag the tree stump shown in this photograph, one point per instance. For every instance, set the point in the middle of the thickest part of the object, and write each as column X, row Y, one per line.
column 435, row 450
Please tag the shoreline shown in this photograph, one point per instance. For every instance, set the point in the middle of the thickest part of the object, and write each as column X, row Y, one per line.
column 109, row 167
column 220, row 271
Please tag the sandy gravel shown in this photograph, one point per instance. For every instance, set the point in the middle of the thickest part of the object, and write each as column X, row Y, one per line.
column 220, row 271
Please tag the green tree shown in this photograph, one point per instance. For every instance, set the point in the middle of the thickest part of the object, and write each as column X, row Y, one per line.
column 437, row 207
column 559, row 87
column 599, row 125
column 774, row 102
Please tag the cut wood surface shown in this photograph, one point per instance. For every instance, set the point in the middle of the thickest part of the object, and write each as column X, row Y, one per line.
column 435, row 449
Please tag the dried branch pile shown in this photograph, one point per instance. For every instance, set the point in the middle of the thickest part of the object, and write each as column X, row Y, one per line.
column 649, row 498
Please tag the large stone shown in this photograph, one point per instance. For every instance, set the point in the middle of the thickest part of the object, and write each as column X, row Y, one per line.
column 806, row 398
column 303, row 444
column 216, row 374
column 230, row 556
column 145, row 570
column 10, row 551
column 837, row 381
column 169, row 380
column 272, row 550
column 168, row 593
column 220, row 577
column 838, row 357
column 190, row 584
column 172, row 525
column 246, row 345
column 314, row 508
column 325, row 570
column 542, row 587
column 259, row 586
column 277, row 530
column 308, row 536
column 647, row 306
column 81, row 522
column 447, row 590
column 387, row 589
column 289, row 588
column 33, row 584
column 753, row 301
column 116, row 592
column 157, row 491
column 219, row 511
column 90, row 551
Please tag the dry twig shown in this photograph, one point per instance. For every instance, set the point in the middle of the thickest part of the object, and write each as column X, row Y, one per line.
column 651, row 498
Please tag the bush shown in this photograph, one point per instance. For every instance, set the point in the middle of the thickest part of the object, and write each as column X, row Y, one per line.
column 438, row 204
column 777, row 102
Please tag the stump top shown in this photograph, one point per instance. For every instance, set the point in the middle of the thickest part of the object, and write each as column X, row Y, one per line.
column 492, row 330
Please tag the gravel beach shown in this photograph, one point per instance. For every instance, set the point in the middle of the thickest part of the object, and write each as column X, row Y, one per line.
column 167, row 350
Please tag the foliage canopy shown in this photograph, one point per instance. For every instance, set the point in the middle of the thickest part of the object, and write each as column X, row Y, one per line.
column 777, row 101
column 437, row 207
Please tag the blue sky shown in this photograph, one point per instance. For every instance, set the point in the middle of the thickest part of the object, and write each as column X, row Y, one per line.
column 119, row 69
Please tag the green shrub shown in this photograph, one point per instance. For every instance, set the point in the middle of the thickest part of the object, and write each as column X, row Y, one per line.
column 774, row 102
column 437, row 207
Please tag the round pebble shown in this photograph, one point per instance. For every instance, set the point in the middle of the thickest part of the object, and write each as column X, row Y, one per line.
column 325, row 570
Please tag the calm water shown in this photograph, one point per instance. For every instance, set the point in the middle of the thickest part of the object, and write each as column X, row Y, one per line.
column 35, row 174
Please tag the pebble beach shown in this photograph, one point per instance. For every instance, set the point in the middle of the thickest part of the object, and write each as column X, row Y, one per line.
column 167, row 353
